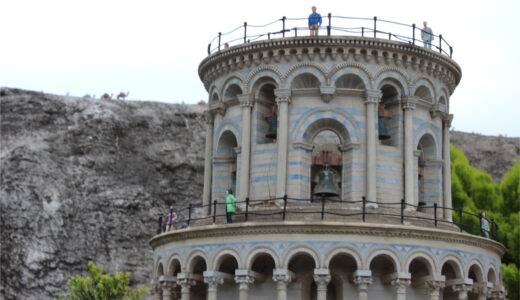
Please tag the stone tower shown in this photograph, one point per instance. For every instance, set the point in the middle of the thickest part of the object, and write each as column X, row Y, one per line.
column 376, row 112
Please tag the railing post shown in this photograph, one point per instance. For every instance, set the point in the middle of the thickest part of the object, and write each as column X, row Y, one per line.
column 322, row 206
column 480, row 224
column 460, row 218
column 363, row 31
column 209, row 48
column 214, row 211
column 389, row 36
column 284, row 206
column 375, row 26
column 283, row 26
column 402, row 211
column 413, row 34
column 493, row 229
column 435, row 213
column 247, row 207
column 219, row 36
column 295, row 31
column 364, row 207
column 328, row 27
column 170, row 220
column 161, row 227
column 245, row 32
column 189, row 213
column 268, row 36
column 440, row 43
column 451, row 51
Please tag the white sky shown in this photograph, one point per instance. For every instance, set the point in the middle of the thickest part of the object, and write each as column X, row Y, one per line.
column 153, row 48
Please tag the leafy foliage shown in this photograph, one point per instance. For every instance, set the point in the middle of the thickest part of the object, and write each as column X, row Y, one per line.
column 475, row 191
column 102, row 286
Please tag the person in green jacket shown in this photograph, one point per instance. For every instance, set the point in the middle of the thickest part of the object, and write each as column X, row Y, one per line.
column 230, row 205
column 484, row 227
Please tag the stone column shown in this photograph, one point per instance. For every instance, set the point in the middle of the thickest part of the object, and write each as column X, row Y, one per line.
column 409, row 175
column 245, row 104
column 372, row 98
column 446, row 178
column 167, row 290
column 363, row 278
column 282, row 277
column 208, row 158
column 243, row 285
column 461, row 286
column 434, row 287
column 186, row 282
column 283, row 98
column 400, row 283
column 322, row 279
column 481, row 289
column 213, row 282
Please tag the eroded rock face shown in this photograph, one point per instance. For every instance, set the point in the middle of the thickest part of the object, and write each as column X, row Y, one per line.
column 85, row 179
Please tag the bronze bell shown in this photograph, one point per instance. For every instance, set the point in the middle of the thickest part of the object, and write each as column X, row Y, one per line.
column 271, row 132
column 325, row 186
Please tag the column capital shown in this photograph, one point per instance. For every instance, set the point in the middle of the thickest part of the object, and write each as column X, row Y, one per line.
column 461, row 286
column 282, row 94
column 409, row 102
column 480, row 288
column 373, row 96
column 327, row 93
column 245, row 100
column 446, row 121
column 208, row 116
column 217, row 108
column 363, row 278
column 282, row 275
column 185, row 280
column 321, row 277
column 434, row 286
column 156, row 289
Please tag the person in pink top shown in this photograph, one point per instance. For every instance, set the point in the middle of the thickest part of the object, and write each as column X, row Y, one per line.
column 170, row 218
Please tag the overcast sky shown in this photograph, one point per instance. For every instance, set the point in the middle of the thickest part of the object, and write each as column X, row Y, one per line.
column 153, row 48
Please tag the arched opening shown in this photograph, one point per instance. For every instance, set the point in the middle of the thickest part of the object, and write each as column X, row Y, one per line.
column 342, row 267
column 428, row 175
column 387, row 112
column 305, row 81
column 491, row 276
column 350, row 81
column 228, row 265
column 449, row 272
column 225, row 164
column 442, row 100
column 327, row 166
column 265, row 114
column 303, row 286
column 475, row 273
column 160, row 270
column 173, row 270
column 382, row 267
column 232, row 92
column 214, row 98
column 198, row 291
column 264, row 264
column 419, row 269
column 424, row 93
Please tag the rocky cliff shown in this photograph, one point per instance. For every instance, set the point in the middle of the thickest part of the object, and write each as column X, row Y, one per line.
column 84, row 179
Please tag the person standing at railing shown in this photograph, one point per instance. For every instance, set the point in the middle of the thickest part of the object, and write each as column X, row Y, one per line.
column 427, row 35
column 170, row 218
column 484, row 225
column 231, row 202
column 314, row 22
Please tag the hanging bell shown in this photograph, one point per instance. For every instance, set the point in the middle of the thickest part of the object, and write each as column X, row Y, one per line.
column 325, row 186
column 271, row 132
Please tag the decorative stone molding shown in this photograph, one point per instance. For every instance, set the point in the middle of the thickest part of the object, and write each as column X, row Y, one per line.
column 282, row 95
column 321, row 278
column 363, row 278
column 461, row 286
column 282, row 276
column 409, row 103
column 186, row 281
column 446, row 121
column 434, row 287
column 245, row 100
column 349, row 147
column 373, row 96
column 437, row 110
column 217, row 108
column 302, row 145
column 327, row 93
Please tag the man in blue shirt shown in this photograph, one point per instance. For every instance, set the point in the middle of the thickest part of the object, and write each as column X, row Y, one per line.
column 314, row 22
column 427, row 36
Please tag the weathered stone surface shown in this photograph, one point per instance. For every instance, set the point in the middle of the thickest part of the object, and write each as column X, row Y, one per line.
column 84, row 179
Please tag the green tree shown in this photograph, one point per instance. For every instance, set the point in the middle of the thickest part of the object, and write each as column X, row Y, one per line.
column 102, row 286
column 511, row 280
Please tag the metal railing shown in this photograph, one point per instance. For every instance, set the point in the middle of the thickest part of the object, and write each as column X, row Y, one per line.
column 336, row 26
column 185, row 216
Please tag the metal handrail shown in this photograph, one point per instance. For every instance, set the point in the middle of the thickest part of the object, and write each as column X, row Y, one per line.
column 186, row 219
column 351, row 26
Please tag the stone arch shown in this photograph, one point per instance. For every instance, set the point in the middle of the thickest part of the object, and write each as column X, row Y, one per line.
column 426, row 133
column 159, row 269
column 348, row 68
column 455, row 262
column 315, row 70
column 233, row 79
column 298, row 249
column 213, row 95
column 341, row 123
column 491, row 274
column 395, row 76
column 223, row 127
column 443, row 94
column 220, row 255
column 232, row 88
column 261, row 72
column 350, row 251
column 428, row 86
column 198, row 253
column 477, row 268
column 426, row 257
column 256, row 251
column 383, row 251
column 173, row 261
